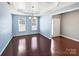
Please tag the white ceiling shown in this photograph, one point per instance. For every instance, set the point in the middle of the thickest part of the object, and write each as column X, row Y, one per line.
column 37, row 8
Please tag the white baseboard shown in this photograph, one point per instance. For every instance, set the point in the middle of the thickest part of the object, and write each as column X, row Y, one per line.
column 55, row 35
column 70, row 38
column 46, row 36
column 5, row 47
column 26, row 34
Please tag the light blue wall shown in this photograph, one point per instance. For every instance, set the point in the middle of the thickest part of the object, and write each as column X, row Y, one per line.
column 46, row 25
column 28, row 25
column 5, row 26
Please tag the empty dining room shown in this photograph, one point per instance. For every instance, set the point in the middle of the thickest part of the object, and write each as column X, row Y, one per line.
column 39, row 28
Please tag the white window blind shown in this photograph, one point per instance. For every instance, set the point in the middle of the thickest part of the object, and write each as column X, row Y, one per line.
column 21, row 24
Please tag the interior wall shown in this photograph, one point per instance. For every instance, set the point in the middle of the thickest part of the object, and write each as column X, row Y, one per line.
column 15, row 19
column 46, row 25
column 70, row 24
column 5, row 26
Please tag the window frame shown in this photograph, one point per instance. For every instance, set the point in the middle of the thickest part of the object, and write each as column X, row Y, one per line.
column 21, row 27
column 34, row 27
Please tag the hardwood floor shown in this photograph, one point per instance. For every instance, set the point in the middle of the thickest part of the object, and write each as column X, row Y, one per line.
column 29, row 45
column 38, row 45
column 65, row 47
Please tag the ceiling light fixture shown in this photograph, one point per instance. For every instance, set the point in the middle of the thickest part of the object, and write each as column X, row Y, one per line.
column 32, row 17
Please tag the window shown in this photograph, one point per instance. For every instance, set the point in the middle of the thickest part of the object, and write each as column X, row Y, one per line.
column 21, row 24
column 33, row 23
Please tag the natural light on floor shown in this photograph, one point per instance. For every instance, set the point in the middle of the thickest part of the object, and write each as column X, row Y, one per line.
column 34, row 43
column 52, row 46
column 21, row 46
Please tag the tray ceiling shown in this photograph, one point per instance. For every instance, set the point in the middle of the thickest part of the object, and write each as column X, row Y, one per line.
column 36, row 8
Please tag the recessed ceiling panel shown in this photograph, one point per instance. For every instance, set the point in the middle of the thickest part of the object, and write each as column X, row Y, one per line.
column 38, row 8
